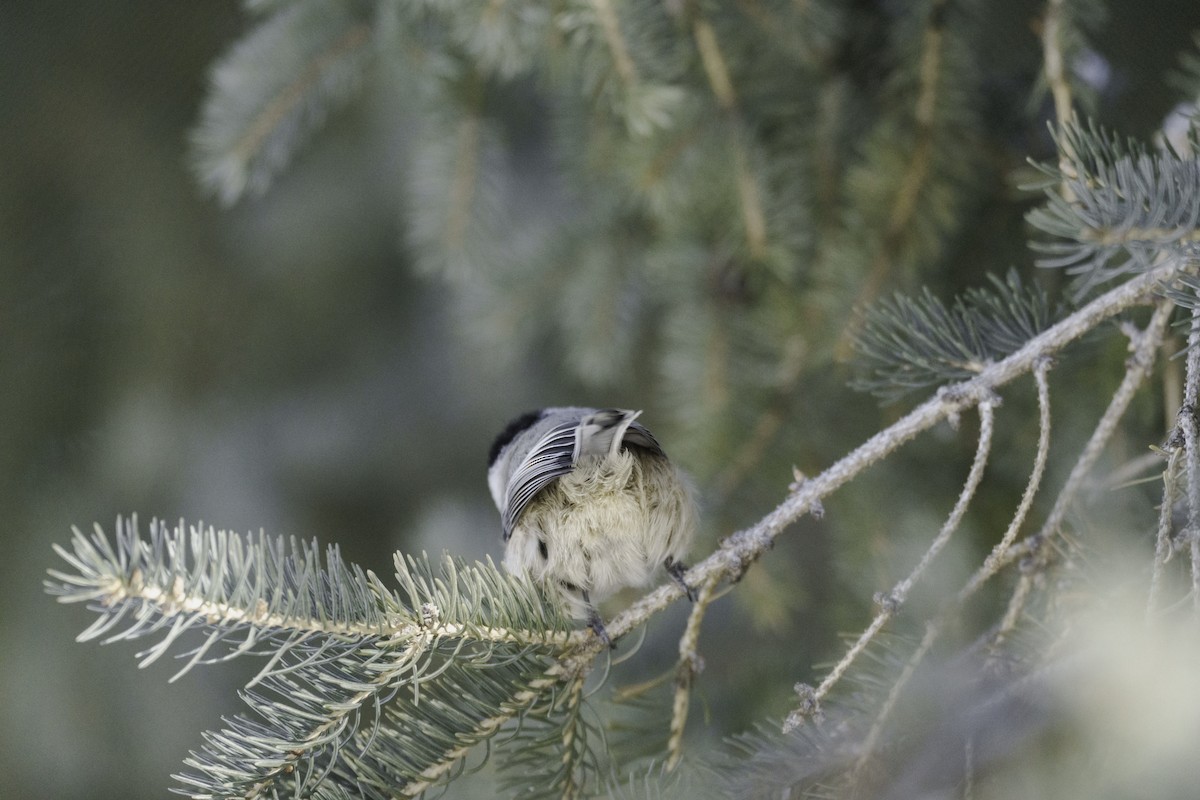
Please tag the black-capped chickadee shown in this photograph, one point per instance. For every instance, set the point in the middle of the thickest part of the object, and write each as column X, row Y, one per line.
column 590, row 504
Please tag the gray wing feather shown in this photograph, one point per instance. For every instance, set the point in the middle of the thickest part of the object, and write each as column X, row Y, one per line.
column 552, row 457
column 639, row 436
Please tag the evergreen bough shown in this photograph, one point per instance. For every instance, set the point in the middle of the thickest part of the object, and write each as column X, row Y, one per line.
column 721, row 192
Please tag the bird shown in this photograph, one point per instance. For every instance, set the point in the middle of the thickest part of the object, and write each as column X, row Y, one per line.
column 589, row 504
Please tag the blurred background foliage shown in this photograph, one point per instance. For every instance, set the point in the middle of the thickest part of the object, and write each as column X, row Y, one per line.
column 500, row 212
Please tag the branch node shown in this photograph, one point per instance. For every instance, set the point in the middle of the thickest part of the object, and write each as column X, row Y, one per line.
column 888, row 602
column 1182, row 540
column 689, row 667
column 1032, row 560
column 815, row 508
column 1177, row 437
column 809, row 707
column 798, row 480
column 431, row 616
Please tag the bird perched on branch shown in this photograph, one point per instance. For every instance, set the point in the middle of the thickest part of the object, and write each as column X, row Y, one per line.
column 590, row 504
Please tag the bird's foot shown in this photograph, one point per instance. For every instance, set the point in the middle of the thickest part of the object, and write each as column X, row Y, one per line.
column 676, row 569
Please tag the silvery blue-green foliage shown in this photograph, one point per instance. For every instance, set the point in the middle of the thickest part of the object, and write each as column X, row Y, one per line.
column 764, row 762
column 272, row 90
column 689, row 192
column 1115, row 207
column 377, row 691
column 921, row 156
column 677, row 195
column 248, row 595
column 910, row 343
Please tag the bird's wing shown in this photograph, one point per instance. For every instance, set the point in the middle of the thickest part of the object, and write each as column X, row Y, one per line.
column 552, row 457
column 639, row 436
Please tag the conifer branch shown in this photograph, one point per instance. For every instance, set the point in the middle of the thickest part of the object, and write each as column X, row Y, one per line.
column 289, row 98
column 520, row 703
column 271, row 91
column 1054, row 61
column 918, row 165
column 549, row 754
column 571, row 751
column 275, row 761
column 716, row 69
column 464, row 654
column 1128, row 212
column 436, row 643
column 908, row 343
column 466, row 167
column 610, row 25
column 743, row 548
column 247, row 595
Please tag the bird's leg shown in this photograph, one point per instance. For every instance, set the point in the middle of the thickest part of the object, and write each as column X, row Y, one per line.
column 595, row 623
column 676, row 569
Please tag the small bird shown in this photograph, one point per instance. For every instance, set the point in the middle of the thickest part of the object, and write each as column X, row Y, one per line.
column 590, row 504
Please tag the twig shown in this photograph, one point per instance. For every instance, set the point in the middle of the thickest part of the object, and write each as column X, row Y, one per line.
column 993, row 563
column 1115, row 237
column 996, row 558
column 690, row 665
column 1012, row 612
column 932, row 631
column 890, row 603
column 1056, row 79
column 1144, row 346
column 989, row 568
column 571, row 789
column 1055, row 63
column 1162, row 542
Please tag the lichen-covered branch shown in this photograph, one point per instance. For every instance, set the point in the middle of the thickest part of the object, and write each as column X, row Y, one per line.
column 1144, row 345
column 690, row 665
column 890, row 603
column 1191, row 450
column 745, row 547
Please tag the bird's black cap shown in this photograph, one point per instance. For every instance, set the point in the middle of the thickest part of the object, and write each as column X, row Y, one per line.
column 512, row 431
